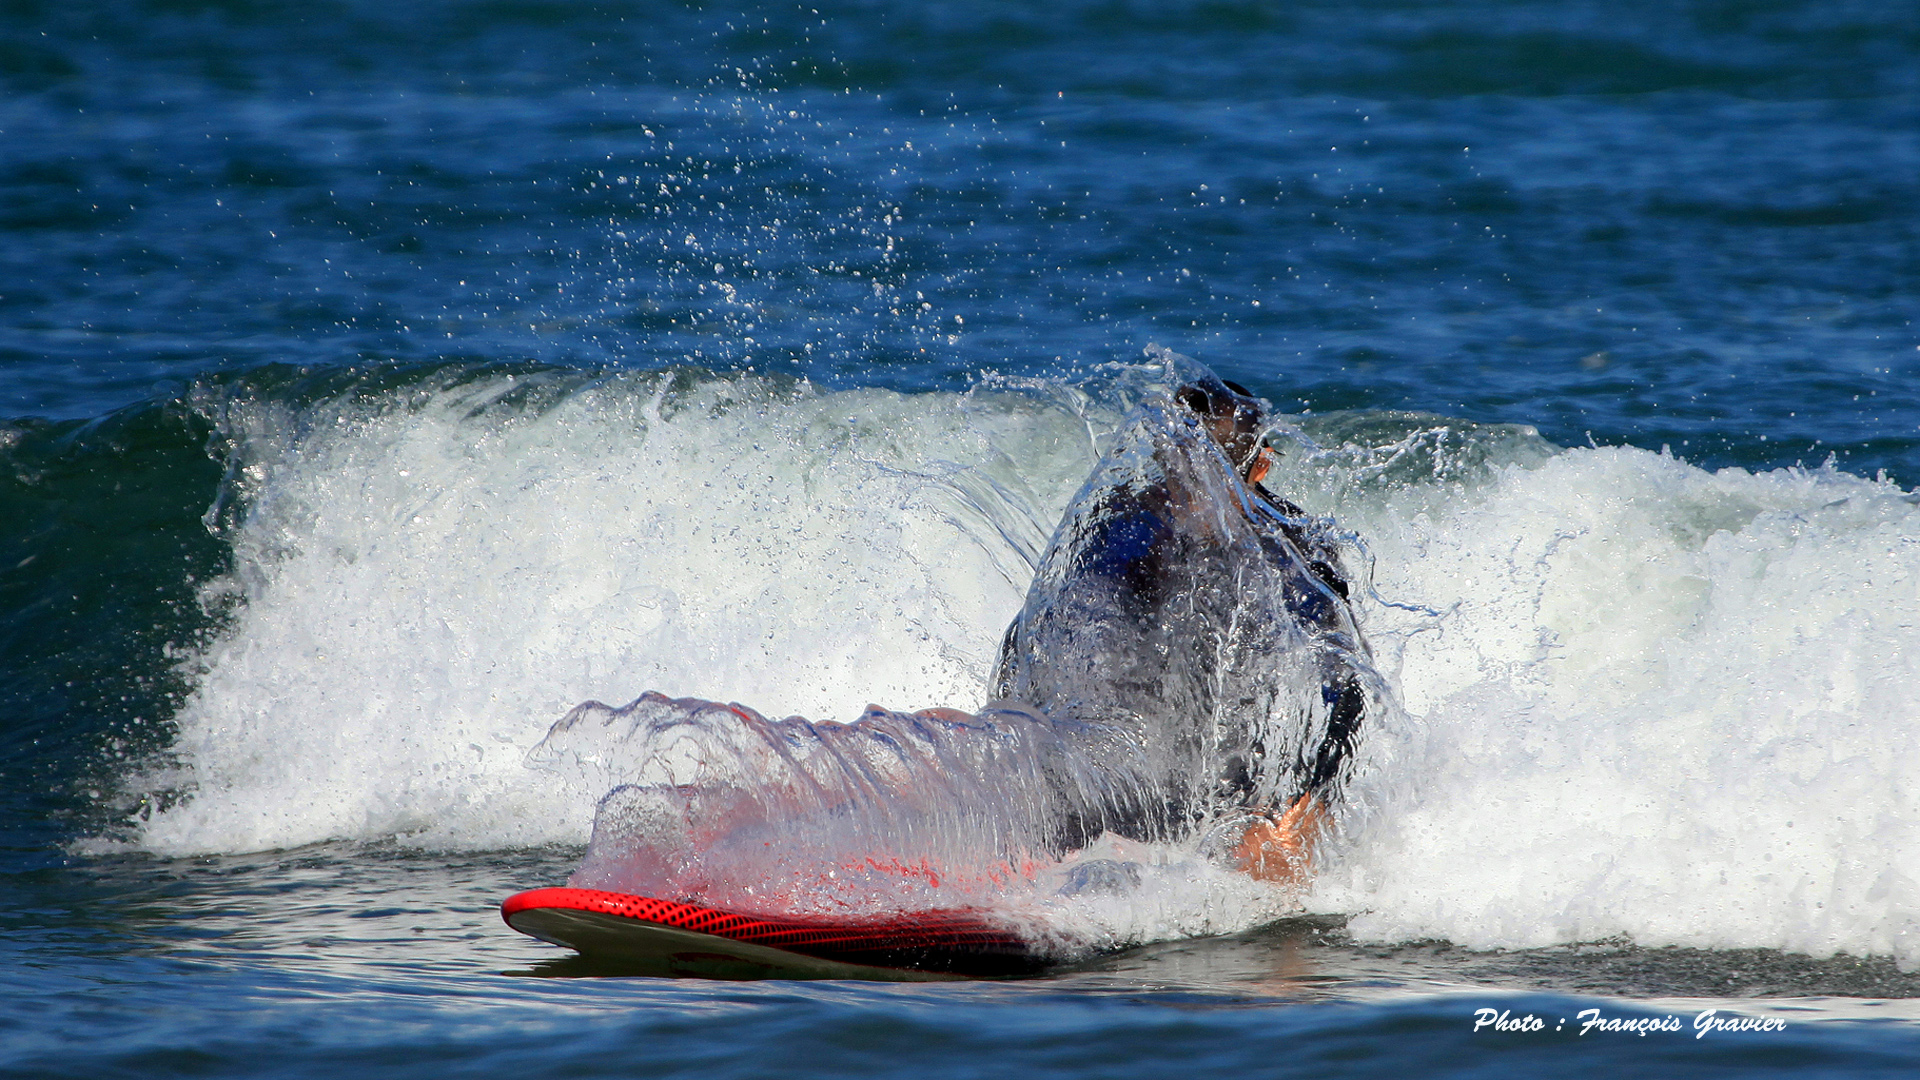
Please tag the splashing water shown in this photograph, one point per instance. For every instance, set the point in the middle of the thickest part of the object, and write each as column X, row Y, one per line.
column 1185, row 658
column 719, row 803
column 1200, row 626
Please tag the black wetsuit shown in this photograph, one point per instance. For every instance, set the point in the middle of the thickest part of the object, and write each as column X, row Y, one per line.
column 1345, row 699
column 1156, row 588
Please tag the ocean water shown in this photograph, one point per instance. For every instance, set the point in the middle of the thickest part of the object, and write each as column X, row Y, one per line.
column 380, row 382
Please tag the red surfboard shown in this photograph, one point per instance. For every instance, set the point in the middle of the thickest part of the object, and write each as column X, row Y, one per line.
column 670, row 938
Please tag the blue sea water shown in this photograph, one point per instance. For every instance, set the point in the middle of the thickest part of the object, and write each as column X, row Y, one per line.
column 377, row 382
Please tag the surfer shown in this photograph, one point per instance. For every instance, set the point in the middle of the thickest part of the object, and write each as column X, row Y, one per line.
column 1278, row 846
column 1191, row 617
column 1185, row 669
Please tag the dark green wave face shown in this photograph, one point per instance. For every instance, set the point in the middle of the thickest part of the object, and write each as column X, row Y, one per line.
column 103, row 546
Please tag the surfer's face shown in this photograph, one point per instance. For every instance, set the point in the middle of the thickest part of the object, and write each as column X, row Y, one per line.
column 1234, row 419
column 1262, row 461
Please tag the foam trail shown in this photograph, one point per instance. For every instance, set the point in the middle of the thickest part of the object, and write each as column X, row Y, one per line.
column 717, row 805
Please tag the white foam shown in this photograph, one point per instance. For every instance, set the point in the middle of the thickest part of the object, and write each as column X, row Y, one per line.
column 427, row 589
column 1662, row 703
column 1168, row 893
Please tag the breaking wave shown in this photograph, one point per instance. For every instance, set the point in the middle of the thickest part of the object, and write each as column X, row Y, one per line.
column 1639, row 698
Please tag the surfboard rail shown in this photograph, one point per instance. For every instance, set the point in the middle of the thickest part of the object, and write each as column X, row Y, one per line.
column 688, row 939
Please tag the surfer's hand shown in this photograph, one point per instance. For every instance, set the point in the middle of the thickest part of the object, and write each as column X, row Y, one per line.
column 1281, row 851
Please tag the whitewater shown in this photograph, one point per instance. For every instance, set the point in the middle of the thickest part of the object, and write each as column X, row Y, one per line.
column 1639, row 700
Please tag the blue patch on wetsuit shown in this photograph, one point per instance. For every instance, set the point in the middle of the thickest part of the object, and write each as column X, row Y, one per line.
column 1124, row 541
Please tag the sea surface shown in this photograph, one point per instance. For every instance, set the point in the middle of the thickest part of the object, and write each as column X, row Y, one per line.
column 380, row 381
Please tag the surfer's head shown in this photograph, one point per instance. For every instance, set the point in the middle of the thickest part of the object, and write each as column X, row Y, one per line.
column 1235, row 418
